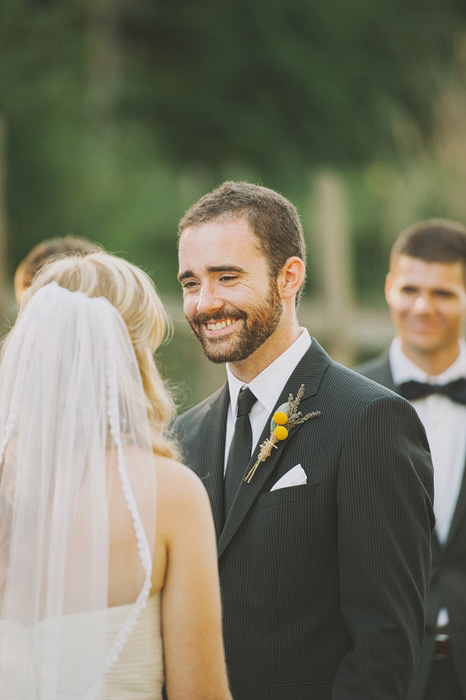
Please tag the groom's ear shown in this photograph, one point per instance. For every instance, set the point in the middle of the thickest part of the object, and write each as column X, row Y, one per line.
column 291, row 278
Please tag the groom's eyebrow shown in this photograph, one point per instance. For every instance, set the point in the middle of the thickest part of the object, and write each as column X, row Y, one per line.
column 184, row 275
column 213, row 268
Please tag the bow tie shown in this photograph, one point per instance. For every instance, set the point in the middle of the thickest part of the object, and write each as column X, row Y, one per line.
column 413, row 390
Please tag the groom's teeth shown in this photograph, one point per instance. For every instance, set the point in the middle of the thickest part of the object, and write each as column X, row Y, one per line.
column 219, row 325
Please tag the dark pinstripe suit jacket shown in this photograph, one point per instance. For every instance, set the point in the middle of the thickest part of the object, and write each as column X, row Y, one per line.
column 448, row 581
column 323, row 585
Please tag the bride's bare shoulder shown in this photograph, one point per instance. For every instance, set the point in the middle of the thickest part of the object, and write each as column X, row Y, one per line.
column 178, row 485
column 184, row 520
column 176, row 478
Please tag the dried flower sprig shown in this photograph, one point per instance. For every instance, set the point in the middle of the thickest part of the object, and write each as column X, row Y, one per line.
column 283, row 421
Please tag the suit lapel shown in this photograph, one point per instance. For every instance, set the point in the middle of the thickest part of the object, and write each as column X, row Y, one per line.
column 211, row 451
column 384, row 376
column 386, row 379
column 459, row 513
column 384, row 372
column 308, row 372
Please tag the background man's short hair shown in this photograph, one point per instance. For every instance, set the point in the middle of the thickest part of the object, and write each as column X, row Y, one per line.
column 434, row 240
column 48, row 250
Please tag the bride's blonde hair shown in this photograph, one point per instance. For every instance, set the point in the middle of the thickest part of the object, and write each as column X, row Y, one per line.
column 133, row 294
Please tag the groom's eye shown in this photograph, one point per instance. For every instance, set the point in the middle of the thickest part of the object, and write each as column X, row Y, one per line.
column 188, row 284
column 228, row 278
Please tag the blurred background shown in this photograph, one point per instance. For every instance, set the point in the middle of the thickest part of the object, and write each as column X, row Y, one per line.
column 116, row 115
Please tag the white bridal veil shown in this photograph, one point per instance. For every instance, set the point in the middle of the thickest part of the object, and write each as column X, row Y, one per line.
column 77, row 496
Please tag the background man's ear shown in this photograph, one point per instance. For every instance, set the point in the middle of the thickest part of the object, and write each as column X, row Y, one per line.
column 388, row 285
column 291, row 277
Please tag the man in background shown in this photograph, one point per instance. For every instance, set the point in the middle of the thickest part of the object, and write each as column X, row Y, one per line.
column 426, row 363
column 320, row 481
column 43, row 253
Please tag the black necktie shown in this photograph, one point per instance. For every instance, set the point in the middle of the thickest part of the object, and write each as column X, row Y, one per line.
column 413, row 390
column 240, row 448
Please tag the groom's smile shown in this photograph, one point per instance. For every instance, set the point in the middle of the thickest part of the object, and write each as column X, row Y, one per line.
column 217, row 326
column 216, row 329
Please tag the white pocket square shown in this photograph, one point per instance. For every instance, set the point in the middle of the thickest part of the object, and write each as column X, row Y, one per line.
column 295, row 477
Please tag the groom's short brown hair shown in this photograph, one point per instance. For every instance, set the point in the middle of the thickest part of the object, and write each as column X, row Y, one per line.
column 271, row 217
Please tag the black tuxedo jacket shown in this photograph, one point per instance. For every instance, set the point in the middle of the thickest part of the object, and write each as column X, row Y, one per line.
column 448, row 581
column 324, row 584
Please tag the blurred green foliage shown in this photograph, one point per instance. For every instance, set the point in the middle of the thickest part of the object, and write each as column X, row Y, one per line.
column 111, row 105
column 120, row 113
column 284, row 84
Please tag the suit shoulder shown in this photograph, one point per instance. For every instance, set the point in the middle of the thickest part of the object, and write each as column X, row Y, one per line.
column 196, row 413
column 361, row 399
column 359, row 385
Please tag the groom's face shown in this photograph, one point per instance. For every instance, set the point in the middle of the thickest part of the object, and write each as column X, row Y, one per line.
column 229, row 299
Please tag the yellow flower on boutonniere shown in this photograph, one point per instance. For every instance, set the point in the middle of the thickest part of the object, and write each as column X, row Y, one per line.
column 284, row 419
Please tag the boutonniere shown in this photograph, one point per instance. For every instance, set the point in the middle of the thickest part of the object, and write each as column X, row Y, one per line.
column 284, row 419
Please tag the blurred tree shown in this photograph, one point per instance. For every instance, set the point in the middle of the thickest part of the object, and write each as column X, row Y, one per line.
column 42, row 78
column 120, row 112
column 285, row 83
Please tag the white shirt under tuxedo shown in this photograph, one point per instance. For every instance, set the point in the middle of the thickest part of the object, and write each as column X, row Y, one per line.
column 445, row 424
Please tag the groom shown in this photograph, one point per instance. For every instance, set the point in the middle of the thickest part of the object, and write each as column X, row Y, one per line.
column 324, row 532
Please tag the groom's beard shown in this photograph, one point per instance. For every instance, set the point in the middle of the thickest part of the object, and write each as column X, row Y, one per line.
column 256, row 325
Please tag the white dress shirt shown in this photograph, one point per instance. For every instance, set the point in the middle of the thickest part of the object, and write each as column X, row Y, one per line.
column 445, row 424
column 266, row 387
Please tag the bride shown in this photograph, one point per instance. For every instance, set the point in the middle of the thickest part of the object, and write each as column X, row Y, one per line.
column 108, row 570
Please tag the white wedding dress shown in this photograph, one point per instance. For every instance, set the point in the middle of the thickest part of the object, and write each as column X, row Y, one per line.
column 136, row 675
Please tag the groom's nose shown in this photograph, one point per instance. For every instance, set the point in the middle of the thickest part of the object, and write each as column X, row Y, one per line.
column 208, row 300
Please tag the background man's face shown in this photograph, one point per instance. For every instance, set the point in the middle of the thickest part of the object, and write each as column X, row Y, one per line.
column 229, row 298
column 427, row 303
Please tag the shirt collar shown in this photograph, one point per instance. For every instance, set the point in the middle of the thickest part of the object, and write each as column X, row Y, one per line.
column 404, row 370
column 268, row 385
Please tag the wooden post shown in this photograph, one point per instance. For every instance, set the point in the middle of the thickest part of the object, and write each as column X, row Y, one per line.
column 333, row 266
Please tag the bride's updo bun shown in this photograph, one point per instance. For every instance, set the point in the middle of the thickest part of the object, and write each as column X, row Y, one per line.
column 132, row 292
